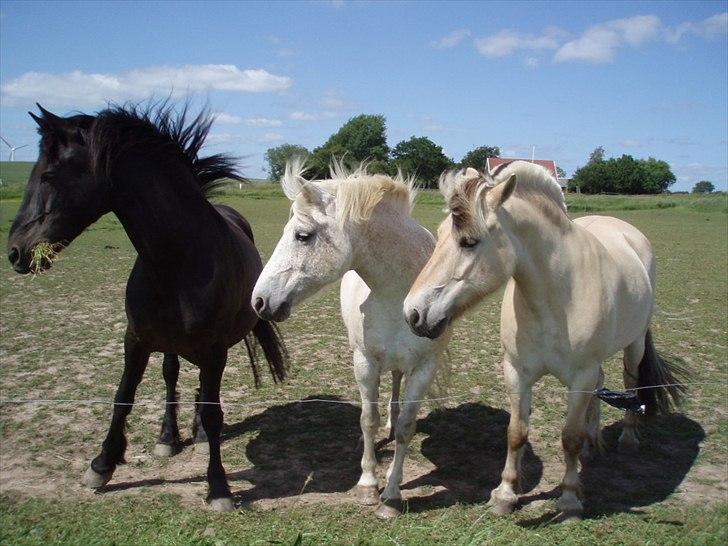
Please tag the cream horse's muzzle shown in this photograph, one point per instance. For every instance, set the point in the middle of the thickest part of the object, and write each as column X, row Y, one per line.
column 426, row 319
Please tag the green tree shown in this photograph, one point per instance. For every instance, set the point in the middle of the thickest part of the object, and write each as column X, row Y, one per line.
column 703, row 187
column 277, row 157
column 625, row 175
column 421, row 157
column 659, row 176
column 597, row 155
column 477, row 157
column 561, row 173
column 362, row 138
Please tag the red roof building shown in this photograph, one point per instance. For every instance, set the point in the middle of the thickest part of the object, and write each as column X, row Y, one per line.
column 493, row 162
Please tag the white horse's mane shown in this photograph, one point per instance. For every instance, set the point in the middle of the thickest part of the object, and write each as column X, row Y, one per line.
column 356, row 192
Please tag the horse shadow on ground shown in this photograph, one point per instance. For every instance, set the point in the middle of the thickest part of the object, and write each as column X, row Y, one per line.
column 314, row 447
column 321, row 440
column 623, row 483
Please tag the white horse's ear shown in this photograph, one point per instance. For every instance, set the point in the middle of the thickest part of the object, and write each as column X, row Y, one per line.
column 500, row 193
column 293, row 181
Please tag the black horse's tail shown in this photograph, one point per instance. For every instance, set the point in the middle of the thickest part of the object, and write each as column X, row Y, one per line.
column 266, row 335
column 659, row 383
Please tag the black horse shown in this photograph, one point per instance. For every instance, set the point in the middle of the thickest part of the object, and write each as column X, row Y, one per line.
column 189, row 290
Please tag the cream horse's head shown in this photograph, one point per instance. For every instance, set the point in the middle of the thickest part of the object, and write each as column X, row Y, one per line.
column 474, row 256
column 314, row 250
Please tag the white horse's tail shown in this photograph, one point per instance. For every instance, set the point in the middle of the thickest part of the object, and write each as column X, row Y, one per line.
column 660, row 381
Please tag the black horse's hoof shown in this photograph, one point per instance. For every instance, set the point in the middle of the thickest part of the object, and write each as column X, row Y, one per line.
column 223, row 504
column 94, row 480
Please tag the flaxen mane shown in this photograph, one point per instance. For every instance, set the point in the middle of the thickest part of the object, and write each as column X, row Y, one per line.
column 357, row 192
column 466, row 192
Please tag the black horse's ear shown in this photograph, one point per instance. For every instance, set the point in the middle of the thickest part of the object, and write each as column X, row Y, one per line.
column 80, row 136
column 38, row 120
column 49, row 116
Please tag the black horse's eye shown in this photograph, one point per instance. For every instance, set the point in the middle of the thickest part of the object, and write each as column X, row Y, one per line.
column 303, row 236
column 48, row 176
column 467, row 242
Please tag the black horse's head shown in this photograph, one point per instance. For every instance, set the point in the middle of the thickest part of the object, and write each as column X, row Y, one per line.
column 62, row 196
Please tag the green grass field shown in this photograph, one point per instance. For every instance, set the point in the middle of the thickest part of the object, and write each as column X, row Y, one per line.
column 290, row 464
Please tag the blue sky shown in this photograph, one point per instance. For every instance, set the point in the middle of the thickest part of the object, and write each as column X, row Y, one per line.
column 642, row 78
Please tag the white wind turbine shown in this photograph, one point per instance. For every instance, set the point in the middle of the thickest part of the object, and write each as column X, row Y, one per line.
column 12, row 148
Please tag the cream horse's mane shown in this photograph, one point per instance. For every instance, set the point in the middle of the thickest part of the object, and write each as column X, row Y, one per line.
column 465, row 189
column 356, row 192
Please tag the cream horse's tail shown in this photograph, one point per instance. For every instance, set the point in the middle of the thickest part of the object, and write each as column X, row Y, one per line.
column 660, row 381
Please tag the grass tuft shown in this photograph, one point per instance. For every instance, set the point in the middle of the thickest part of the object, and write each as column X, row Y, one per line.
column 43, row 255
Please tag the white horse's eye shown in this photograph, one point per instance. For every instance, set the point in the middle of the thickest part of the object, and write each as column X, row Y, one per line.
column 303, row 236
column 468, row 242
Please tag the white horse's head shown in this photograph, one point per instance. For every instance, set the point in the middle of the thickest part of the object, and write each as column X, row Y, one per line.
column 314, row 250
column 474, row 256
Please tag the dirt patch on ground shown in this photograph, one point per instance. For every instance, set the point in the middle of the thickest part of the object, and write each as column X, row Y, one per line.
column 302, row 453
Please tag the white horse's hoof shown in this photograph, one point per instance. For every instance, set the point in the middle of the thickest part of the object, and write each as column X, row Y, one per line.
column 368, row 495
column 94, row 480
column 389, row 509
column 223, row 504
column 166, row 450
column 203, row 448
column 569, row 516
column 499, row 507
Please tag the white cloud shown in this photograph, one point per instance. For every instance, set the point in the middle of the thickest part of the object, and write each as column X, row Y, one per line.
column 712, row 27
column 506, row 42
column 451, row 40
column 302, row 116
column 531, row 62
column 78, row 88
column 598, row 44
column 631, row 143
column 226, row 119
column 263, row 122
column 334, row 100
column 270, row 137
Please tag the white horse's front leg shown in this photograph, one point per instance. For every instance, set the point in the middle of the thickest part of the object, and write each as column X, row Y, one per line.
column 415, row 390
column 503, row 499
column 394, row 403
column 367, row 378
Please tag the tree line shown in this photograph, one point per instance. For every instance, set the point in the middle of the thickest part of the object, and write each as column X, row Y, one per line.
column 364, row 138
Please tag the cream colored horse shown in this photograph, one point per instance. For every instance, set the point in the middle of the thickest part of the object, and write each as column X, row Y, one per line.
column 576, row 293
column 357, row 227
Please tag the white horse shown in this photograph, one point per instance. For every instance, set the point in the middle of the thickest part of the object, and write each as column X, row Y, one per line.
column 576, row 293
column 357, row 227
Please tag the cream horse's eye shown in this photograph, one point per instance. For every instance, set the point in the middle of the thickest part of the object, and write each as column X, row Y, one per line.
column 303, row 236
column 468, row 242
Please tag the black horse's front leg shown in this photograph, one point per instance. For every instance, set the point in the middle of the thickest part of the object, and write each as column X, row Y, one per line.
column 211, row 368
column 169, row 441
column 136, row 357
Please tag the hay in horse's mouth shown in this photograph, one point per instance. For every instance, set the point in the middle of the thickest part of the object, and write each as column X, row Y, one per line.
column 42, row 256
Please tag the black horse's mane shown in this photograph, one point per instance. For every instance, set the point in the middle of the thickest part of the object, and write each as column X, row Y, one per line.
column 158, row 130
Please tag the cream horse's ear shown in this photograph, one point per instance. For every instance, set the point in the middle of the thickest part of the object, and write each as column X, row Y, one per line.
column 500, row 193
column 451, row 180
column 471, row 173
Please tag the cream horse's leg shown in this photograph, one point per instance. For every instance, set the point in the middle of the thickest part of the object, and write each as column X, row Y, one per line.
column 367, row 378
column 415, row 389
column 633, row 353
column 593, row 432
column 504, row 498
column 572, row 439
column 394, row 404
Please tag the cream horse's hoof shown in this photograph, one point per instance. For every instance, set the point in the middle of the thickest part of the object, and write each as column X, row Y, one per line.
column 94, row 480
column 368, row 495
column 166, row 450
column 569, row 516
column 223, row 504
column 389, row 509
